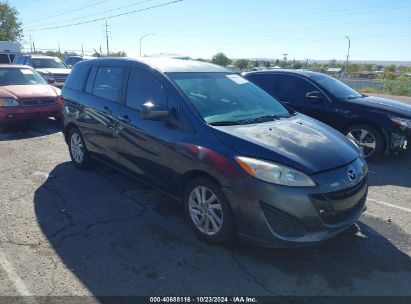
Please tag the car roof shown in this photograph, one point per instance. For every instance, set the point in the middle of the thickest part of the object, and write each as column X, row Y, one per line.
column 15, row 66
column 306, row 73
column 165, row 65
column 38, row 56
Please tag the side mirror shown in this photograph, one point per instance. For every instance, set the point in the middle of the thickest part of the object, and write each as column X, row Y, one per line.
column 150, row 111
column 315, row 96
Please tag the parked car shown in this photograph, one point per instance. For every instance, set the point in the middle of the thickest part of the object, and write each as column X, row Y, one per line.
column 50, row 68
column 70, row 61
column 379, row 126
column 8, row 50
column 238, row 160
column 24, row 94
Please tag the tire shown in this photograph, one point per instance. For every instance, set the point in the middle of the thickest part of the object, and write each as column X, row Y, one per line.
column 368, row 138
column 78, row 152
column 219, row 232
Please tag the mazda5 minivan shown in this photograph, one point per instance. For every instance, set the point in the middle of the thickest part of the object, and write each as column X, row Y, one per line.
column 240, row 162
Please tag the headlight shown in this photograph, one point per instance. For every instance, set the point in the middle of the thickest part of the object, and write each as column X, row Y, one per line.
column 274, row 173
column 8, row 102
column 401, row 122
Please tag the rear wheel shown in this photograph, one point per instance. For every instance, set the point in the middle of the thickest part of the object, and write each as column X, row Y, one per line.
column 208, row 211
column 78, row 152
column 369, row 139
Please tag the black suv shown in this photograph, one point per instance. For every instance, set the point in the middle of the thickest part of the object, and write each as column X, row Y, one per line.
column 51, row 68
column 377, row 125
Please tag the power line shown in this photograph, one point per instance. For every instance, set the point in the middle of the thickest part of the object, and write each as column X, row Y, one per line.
column 66, row 11
column 99, row 13
column 108, row 17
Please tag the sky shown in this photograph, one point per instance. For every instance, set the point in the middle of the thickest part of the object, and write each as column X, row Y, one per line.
column 314, row 29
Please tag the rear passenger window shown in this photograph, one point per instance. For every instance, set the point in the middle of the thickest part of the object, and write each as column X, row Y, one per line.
column 78, row 77
column 143, row 87
column 264, row 81
column 107, row 83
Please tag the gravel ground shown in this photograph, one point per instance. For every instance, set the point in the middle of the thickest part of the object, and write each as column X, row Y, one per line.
column 96, row 232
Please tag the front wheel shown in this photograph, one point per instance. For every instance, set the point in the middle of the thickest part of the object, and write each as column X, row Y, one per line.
column 78, row 152
column 208, row 211
column 369, row 139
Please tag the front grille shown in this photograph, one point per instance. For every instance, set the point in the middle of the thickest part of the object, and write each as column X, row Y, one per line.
column 38, row 102
column 282, row 223
column 339, row 206
column 346, row 193
column 342, row 215
column 60, row 77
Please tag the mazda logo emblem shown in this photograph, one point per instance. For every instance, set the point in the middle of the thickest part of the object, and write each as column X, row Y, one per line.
column 352, row 175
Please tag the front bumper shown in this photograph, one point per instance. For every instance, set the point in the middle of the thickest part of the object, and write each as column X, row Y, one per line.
column 279, row 216
column 10, row 114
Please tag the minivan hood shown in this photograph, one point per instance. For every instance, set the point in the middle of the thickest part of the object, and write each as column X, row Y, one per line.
column 384, row 104
column 29, row 91
column 54, row 71
column 299, row 142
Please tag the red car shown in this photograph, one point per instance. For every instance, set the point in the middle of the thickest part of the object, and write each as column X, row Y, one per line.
column 24, row 94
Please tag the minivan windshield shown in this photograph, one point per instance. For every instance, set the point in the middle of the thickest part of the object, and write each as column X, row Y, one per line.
column 24, row 76
column 48, row 63
column 336, row 87
column 226, row 98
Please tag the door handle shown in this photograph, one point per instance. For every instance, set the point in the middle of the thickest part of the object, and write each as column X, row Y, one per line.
column 106, row 111
column 124, row 119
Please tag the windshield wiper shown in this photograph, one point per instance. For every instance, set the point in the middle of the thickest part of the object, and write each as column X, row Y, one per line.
column 263, row 118
column 224, row 123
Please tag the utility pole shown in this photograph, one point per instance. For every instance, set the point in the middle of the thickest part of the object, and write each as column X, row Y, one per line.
column 306, row 62
column 285, row 59
column 59, row 49
column 106, row 30
column 101, row 52
column 348, row 55
column 34, row 48
column 31, row 45
column 82, row 50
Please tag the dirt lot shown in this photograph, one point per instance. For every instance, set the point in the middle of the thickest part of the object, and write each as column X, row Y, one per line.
column 74, row 232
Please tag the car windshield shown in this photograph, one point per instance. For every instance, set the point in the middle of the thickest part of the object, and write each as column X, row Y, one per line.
column 336, row 87
column 226, row 98
column 48, row 63
column 15, row 76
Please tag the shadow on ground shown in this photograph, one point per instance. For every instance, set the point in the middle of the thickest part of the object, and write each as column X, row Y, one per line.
column 391, row 170
column 122, row 238
column 29, row 129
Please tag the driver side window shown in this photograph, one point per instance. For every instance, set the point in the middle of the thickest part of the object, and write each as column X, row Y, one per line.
column 143, row 87
column 294, row 89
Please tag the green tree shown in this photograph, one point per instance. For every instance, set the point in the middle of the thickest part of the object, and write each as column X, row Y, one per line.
column 256, row 63
column 267, row 64
column 297, row 65
column 221, row 59
column 242, row 63
column 10, row 26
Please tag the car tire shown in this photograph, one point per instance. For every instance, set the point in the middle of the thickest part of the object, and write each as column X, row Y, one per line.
column 78, row 152
column 368, row 138
column 211, row 218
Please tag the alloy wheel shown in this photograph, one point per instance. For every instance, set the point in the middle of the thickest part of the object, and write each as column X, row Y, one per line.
column 205, row 210
column 364, row 139
column 77, row 147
